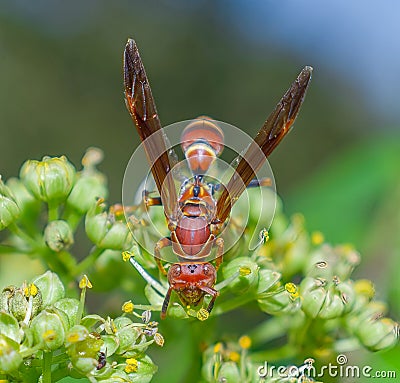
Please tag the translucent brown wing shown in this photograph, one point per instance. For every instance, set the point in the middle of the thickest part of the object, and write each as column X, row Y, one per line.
column 140, row 103
column 270, row 135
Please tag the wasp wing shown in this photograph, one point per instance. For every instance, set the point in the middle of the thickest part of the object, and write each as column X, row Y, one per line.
column 267, row 139
column 140, row 103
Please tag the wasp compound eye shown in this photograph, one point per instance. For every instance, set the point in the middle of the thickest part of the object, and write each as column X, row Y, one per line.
column 176, row 270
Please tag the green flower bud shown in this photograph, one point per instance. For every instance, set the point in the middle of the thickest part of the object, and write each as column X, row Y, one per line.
column 278, row 303
column 83, row 348
column 313, row 293
column 49, row 180
column 9, row 210
column 70, row 307
column 378, row 334
column 328, row 262
column 267, row 279
column 374, row 309
column 76, row 334
column 105, row 232
column 51, row 288
column 84, row 365
column 29, row 206
column 10, row 358
column 127, row 337
column 332, row 306
column 229, row 373
column 48, row 329
column 326, row 301
column 20, row 301
column 9, row 327
column 110, row 344
column 89, row 187
column 5, row 297
column 248, row 274
column 121, row 322
column 58, row 235
column 144, row 371
column 18, row 305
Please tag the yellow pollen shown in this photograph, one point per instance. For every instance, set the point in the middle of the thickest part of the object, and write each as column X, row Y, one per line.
column 317, row 238
column 202, row 314
column 128, row 307
column 292, row 289
column 245, row 342
column 244, row 270
column 234, row 356
column 30, row 290
column 49, row 335
column 218, row 348
column 131, row 365
column 126, row 255
column 85, row 282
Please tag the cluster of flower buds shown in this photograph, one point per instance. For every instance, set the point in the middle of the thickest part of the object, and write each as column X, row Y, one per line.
column 229, row 362
column 44, row 206
column 42, row 329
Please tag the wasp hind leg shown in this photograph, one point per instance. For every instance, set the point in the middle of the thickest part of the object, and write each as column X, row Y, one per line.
column 163, row 242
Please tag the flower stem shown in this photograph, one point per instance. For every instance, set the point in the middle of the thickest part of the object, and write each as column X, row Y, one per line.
column 23, row 235
column 233, row 303
column 81, row 306
column 268, row 330
column 88, row 261
column 53, row 211
column 46, row 367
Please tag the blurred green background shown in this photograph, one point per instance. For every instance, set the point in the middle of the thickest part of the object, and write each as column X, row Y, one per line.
column 61, row 92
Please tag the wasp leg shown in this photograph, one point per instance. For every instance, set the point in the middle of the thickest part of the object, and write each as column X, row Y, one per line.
column 255, row 182
column 213, row 293
column 150, row 201
column 262, row 182
column 219, row 242
column 166, row 303
column 163, row 242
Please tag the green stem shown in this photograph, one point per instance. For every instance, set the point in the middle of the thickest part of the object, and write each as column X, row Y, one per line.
column 53, row 211
column 7, row 249
column 72, row 217
column 233, row 303
column 271, row 329
column 46, row 369
column 16, row 230
column 81, row 306
column 88, row 261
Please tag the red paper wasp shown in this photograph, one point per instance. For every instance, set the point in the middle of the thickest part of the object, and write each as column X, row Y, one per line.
column 194, row 216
